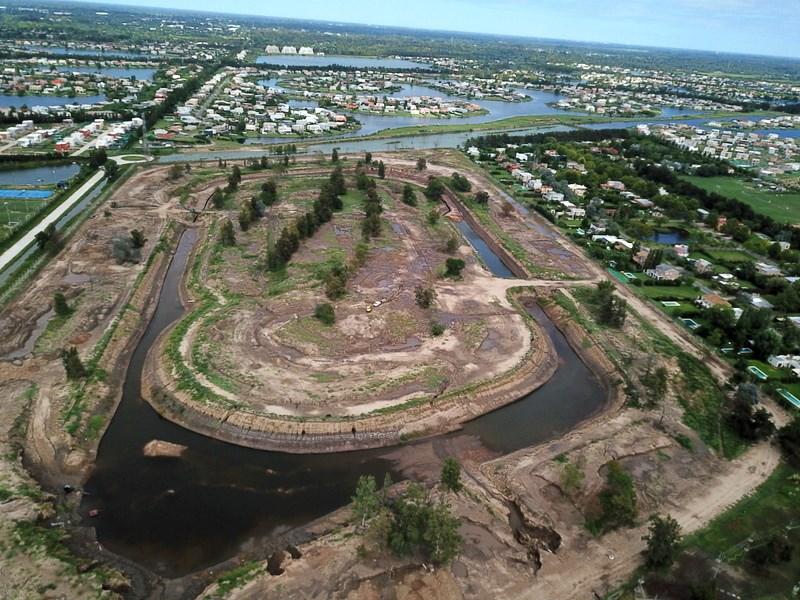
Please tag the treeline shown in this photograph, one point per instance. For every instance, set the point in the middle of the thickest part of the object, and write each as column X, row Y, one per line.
column 498, row 140
column 179, row 95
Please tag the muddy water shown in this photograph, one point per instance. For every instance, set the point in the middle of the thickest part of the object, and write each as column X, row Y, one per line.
column 179, row 515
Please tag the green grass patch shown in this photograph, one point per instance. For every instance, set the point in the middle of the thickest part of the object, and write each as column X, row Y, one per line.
column 783, row 207
column 669, row 292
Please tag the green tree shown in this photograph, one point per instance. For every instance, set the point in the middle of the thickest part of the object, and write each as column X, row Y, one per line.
column 381, row 170
column 452, row 244
column 366, row 501
column 246, row 216
column 422, row 164
column 368, row 157
column 617, row 500
column 460, row 183
column 610, row 309
column 434, row 190
column 227, row 237
column 335, row 155
column 137, row 238
column 482, row 197
column 73, row 365
column 433, row 216
column 336, row 282
column 571, row 478
column 337, row 182
column 49, row 239
column 451, row 475
column 409, row 196
column 326, row 315
column 663, row 541
column 112, row 169
column 789, row 441
column 453, row 267
column 60, row 305
column 441, row 537
column 218, row 198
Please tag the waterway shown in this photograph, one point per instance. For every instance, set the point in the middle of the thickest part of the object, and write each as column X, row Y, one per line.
column 178, row 515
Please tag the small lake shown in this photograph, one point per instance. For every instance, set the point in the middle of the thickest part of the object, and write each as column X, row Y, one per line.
column 669, row 237
column 7, row 101
column 360, row 62
column 38, row 175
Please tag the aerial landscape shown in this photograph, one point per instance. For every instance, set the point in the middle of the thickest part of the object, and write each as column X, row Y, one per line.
column 443, row 300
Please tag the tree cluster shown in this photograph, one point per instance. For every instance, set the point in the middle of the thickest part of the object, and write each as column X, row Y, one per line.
column 304, row 227
column 411, row 523
column 371, row 225
column 460, row 183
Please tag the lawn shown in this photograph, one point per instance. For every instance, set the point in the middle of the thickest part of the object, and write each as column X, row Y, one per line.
column 728, row 256
column 669, row 292
column 781, row 207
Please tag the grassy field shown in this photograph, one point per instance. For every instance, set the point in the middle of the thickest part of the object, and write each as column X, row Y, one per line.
column 16, row 211
column 669, row 292
column 781, row 207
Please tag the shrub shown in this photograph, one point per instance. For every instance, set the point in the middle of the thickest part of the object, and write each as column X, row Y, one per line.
column 453, row 267
column 325, row 313
column 424, row 296
column 60, row 305
column 437, row 329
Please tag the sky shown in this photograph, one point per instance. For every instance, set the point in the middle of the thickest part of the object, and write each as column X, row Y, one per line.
column 769, row 27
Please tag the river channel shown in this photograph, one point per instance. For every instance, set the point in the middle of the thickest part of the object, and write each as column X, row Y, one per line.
column 179, row 515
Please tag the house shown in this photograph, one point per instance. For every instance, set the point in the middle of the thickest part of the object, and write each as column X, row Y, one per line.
column 712, row 301
column 640, row 257
column 664, row 272
column 702, row 266
column 553, row 197
column 757, row 301
column 681, row 250
column 786, row 361
column 767, row 269
column 577, row 189
column 613, row 185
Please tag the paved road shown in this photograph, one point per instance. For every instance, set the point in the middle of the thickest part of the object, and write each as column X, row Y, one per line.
column 26, row 240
